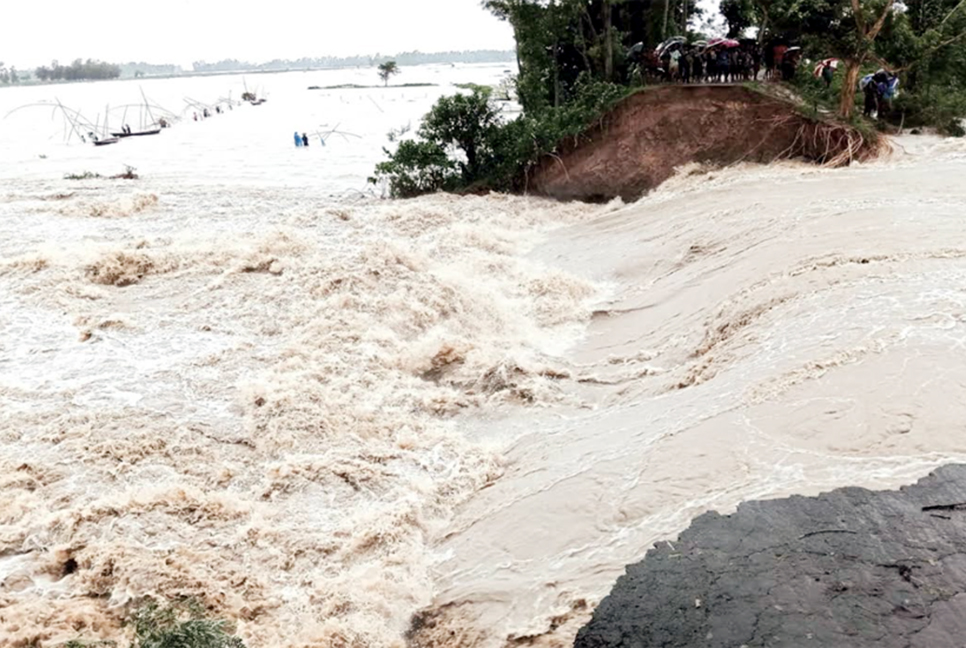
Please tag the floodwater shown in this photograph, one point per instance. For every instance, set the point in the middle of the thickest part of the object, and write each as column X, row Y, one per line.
column 240, row 379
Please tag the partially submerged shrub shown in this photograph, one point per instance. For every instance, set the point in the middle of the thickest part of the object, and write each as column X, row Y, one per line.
column 181, row 625
column 128, row 174
column 86, row 175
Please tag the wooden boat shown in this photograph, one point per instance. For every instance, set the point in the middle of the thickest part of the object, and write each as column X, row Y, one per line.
column 105, row 141
column 152, row 131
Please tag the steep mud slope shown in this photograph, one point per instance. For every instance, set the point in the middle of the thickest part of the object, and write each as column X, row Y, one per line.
column 637, row 146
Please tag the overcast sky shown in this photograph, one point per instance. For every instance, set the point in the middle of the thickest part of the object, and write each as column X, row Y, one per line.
column 182, row 31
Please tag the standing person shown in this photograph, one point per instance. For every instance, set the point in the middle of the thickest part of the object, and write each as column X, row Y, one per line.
column 666, row 64
column 305, row 139
column 686, row 62
column 871, row 105
column 710, row 66
column 778, row 57
column 828, row 72
column 697, row 67
column 724, row 65
column 756, row 60
column 675, row 64
column 298, row 140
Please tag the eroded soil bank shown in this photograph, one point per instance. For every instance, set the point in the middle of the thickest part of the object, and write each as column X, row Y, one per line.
column 637, row 146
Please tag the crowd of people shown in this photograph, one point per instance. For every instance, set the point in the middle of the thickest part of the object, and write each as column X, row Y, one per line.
column 724, row 61
column 690, row 65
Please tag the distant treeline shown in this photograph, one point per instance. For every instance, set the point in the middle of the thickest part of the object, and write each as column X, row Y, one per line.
column 402, row 59
column 136, row 70
column 8, row 76
column 92, row 69
column 78, row 70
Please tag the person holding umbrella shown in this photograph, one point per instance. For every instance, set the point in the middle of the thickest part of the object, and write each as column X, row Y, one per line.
column 826, row 70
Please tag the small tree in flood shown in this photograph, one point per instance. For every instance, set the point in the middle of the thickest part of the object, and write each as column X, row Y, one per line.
column 387, row 70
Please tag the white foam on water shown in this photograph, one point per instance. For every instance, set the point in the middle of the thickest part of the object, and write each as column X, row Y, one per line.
column 321, row 417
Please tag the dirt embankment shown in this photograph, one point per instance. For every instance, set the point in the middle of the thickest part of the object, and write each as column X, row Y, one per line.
column 636, row 146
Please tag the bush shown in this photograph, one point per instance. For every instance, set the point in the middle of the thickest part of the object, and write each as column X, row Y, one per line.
column 182, row 624
column 463, row 144
column 942, row 107
column 417, row 168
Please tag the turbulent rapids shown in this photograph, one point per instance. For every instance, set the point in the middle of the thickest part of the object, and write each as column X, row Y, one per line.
column 450, row 421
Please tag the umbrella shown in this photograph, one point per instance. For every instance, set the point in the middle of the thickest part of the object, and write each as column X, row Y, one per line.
column 723, row 42
column 793, row 49
column 829, row 62
column 677, row 41
column 635, row 50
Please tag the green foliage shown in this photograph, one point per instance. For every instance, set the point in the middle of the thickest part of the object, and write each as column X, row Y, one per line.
column 466, row 122
column 561, row 41
column 931, row 105
column 465, row 125
column 740, row 15
column 463, row 144
column 387, row 70
column 86, row 175
column 417, row 168
column 180, row 625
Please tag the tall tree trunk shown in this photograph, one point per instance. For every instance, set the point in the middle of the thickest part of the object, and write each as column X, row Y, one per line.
column 764, row 25
column 608, row 42
column 684, row 18
column 667, row 9
column 850, row 83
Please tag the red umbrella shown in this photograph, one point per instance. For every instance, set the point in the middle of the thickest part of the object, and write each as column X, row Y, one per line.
column 723, row 42
column 829, row 62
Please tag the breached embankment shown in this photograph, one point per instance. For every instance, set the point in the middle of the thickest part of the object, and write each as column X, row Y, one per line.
column 852, row 568
column 639, row 144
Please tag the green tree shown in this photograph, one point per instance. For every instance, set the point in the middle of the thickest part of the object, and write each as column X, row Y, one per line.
column 740, row 15
column 387, row 70
column 465, row 122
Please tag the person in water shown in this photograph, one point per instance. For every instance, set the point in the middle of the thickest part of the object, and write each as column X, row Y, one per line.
column 298, row 139
column 305, row 139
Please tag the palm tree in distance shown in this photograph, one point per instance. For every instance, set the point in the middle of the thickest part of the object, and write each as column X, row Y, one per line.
column 386, row 70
